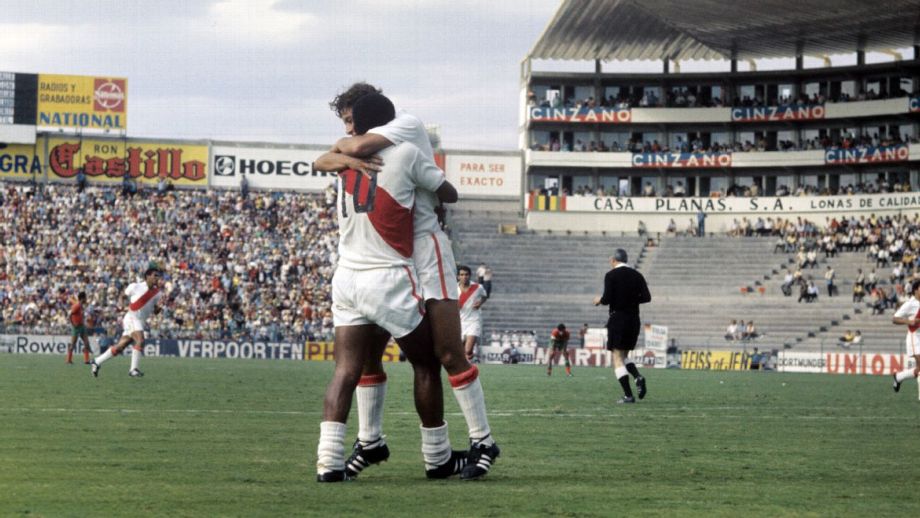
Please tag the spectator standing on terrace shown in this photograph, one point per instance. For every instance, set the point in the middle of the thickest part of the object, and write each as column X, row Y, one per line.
column 583, row 335
column 701, row 223
column 624, row 290
column 909, row 315
column 487, row 280
column 829, row 277
column 244, row 187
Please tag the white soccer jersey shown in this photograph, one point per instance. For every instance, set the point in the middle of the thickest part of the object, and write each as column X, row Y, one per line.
column 142, row 300
column 910, row 309
column 469, row 315
column 407, row 128
column 375, row 215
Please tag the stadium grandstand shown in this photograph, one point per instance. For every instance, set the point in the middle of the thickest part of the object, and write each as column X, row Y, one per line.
column 639, row 159
column 775, row 164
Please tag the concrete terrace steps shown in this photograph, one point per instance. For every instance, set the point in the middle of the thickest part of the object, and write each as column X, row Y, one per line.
column 541, row 279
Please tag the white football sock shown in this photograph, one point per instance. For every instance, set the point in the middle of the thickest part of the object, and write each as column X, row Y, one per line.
column 904, row 374
column 472, row 402
column 135, row 358
column 104, row 356
column 435, row 446
column 330, row 454
column 370, row 410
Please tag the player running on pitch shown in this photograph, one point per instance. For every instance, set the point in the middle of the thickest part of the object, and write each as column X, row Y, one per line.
column 143, row 297
column 909, row 315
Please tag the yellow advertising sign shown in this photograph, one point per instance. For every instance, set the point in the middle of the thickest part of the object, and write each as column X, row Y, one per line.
column 715, row 360
column 323, row 351
column 107, row 160
column 82, row 102
column 19, row 161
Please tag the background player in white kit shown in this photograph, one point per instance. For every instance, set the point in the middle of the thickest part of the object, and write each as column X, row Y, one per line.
column 434, row 262
column 472, row 297
column 909, row 315
column 142, row 299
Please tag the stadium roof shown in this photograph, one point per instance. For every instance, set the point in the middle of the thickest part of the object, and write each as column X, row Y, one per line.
column 716, row 29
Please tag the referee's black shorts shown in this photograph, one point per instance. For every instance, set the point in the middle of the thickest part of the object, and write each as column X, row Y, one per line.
column 623, row 331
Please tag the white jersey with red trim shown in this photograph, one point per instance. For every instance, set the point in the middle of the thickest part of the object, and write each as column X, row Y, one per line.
column 910, row 309
column 408, row 128
column 376, row 214
column 473, row 294
column 142, row 300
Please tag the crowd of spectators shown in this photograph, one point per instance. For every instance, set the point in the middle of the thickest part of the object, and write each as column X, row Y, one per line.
column 739, row 331
column 686, row 97
column 254, row 268
column 889, row 242
column 679, row 190
column 696, row 145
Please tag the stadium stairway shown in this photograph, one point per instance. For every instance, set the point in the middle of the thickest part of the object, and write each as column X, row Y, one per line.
column 879, row 334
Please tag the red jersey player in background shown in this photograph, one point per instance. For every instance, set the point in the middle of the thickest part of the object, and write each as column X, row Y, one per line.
column 78, row 328
column 559, row 339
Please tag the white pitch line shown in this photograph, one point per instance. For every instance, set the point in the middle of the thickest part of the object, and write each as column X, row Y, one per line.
column 538, row 413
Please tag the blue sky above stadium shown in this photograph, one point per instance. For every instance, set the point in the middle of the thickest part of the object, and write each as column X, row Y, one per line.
column 265, row 70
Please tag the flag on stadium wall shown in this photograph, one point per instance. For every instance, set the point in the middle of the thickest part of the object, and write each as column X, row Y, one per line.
column 546, row 203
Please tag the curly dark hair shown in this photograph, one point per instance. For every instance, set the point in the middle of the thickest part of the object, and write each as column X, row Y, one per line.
column 346, row 99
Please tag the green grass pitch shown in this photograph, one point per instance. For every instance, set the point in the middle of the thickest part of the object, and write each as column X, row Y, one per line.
column 238, row 438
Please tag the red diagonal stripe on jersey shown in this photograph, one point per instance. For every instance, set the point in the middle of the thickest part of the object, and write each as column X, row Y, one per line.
column 468, row 293
column 144, row 299
column 390, row 219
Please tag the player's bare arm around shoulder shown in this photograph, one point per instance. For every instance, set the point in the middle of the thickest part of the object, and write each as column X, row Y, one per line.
column 360, row 146
column 333, row 161
column 903, row 321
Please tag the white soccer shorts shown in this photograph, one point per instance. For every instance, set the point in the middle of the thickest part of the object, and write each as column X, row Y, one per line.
column 913, row 344
column 471, row 327
column 437, row 270
column 388, row 297
column 131, row 324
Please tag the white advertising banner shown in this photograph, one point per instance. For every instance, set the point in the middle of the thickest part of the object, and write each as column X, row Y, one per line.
column 57, row 344
column 268, row 168
column 766, row 206
column 876, row 364
column 484, row 176
column 656, row 337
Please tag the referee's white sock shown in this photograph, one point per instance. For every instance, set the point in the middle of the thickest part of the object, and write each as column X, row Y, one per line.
column 435, row 446
column 631, row 368
column 371, row 392
column 330, row 454
column 472, row 401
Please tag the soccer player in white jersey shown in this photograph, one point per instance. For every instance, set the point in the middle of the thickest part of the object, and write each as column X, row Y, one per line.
column 375, row 284
column 909, row 315
column 434, row 262
column 472, row 297
column 142, row 299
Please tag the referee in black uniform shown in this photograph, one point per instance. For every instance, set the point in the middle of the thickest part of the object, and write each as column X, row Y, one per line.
column 624, row 290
